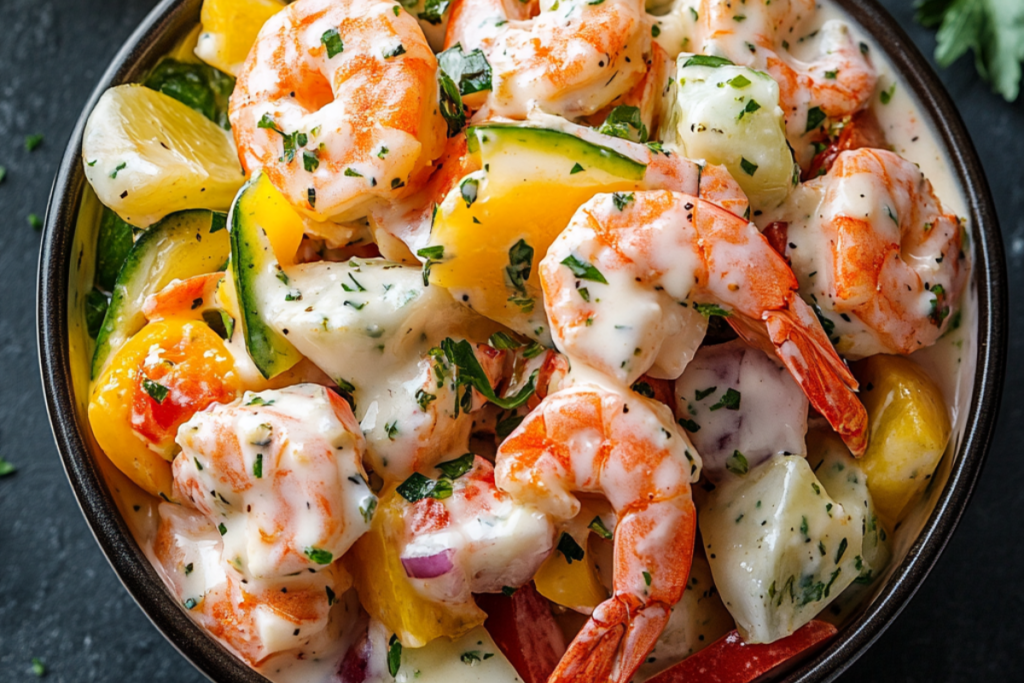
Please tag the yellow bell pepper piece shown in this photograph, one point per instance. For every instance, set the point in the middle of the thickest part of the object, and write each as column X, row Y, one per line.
column 202, row 372
column 909, row 429
column 230, row 28
column 575, row 584
column 385, row 591
column 282, row 223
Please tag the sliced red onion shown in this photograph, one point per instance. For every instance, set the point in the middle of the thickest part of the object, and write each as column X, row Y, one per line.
column 429, row 566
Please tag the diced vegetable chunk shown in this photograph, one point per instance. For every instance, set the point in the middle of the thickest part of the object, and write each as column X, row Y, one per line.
column 182, row 245
column 493, row 228
column 148, row 155
column 155, row 383
column 697, row 620
column 730, row 115
column 909, row 429
column 386, row 593
column 570, row 576
column 780, row 547
column 230, row 28
column 730, row 660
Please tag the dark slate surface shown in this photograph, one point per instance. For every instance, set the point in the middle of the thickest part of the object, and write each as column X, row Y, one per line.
column 61, row 602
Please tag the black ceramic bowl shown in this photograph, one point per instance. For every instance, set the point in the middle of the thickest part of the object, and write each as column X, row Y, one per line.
column 59, row 308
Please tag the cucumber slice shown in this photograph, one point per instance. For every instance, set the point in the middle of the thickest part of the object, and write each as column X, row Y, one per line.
column 253, row 260
column 495, row 139
column 113, row 245
column 181, row 245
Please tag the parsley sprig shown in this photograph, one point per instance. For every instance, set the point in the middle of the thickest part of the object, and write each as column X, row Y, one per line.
column 992, row 29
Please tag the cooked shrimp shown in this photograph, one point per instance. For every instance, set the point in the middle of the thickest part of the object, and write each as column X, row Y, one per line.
column 874, row 249
column 280, row 474
column 338, row 103
column 630, row 270
column 477, row 540
column 589, row 439
column 402, row 228
column 836, row 81
column 568, row 58
column 254, row 618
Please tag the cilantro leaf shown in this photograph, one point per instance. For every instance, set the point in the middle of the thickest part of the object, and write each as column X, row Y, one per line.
column 992, row 29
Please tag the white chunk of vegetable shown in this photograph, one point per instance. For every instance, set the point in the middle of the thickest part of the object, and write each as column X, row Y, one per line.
column 765, row 415
column 842, row 477
column 695, row 622
column 368, row 324
column 781, row 549
column 730, row 115
column 472, row 658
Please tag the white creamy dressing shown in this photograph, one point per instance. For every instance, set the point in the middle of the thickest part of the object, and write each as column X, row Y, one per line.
column 770, row 420
column 490, row 540
column 629, row 317
column 369, row 324
column 280, row 474
column 322, row 322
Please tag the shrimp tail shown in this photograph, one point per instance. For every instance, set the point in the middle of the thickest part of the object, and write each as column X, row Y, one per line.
column 624, row 629
column 614, row 642
column 829, row 385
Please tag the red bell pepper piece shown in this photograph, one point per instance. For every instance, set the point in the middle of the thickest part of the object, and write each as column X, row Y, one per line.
column 523, row 627
column 730, row 660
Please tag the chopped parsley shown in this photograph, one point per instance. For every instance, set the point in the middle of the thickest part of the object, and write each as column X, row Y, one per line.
column 433, row 13
column 730, row 400
column 33, row 141
column 748, row 167
column 737, row 463
column 158, row 392
column 708, row 310
column 622, row 199
column 257, row 467
column 431, row 255
column 319, row 555
column 470, row 71
column 453, row 469
column 598, row 527
column 583, row 270
column 394, row 655
column 469, row 375
column 815, row 117
column 619, row 122
column 750, row 108
column 689, row 425
column 568, row 546
column 707, row 60
column 6, row 468
column 331, row 40
column 469, row 189
column 395, row 51
column 702, row 394
column 417, row 487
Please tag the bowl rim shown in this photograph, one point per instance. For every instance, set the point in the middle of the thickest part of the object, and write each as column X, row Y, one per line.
column 154, row 36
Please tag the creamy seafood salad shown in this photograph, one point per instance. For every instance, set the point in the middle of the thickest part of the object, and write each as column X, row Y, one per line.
column 522, row 340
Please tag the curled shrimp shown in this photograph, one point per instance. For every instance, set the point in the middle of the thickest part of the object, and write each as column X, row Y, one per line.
column 280, row 474
column 878, row 255
column 338, row 103
column 835, row 82
column 477, row 540
column 568, row 58
column 624, row 279
column 593, row 440
column 255, row 618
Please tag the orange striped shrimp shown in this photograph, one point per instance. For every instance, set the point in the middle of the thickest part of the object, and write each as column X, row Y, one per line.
column 593, row 440
column 255, row 618
column 569, row 58
column 624, row 278
column 836, row 82
column 338, row 104
column 875, row 250
column 280, row 474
